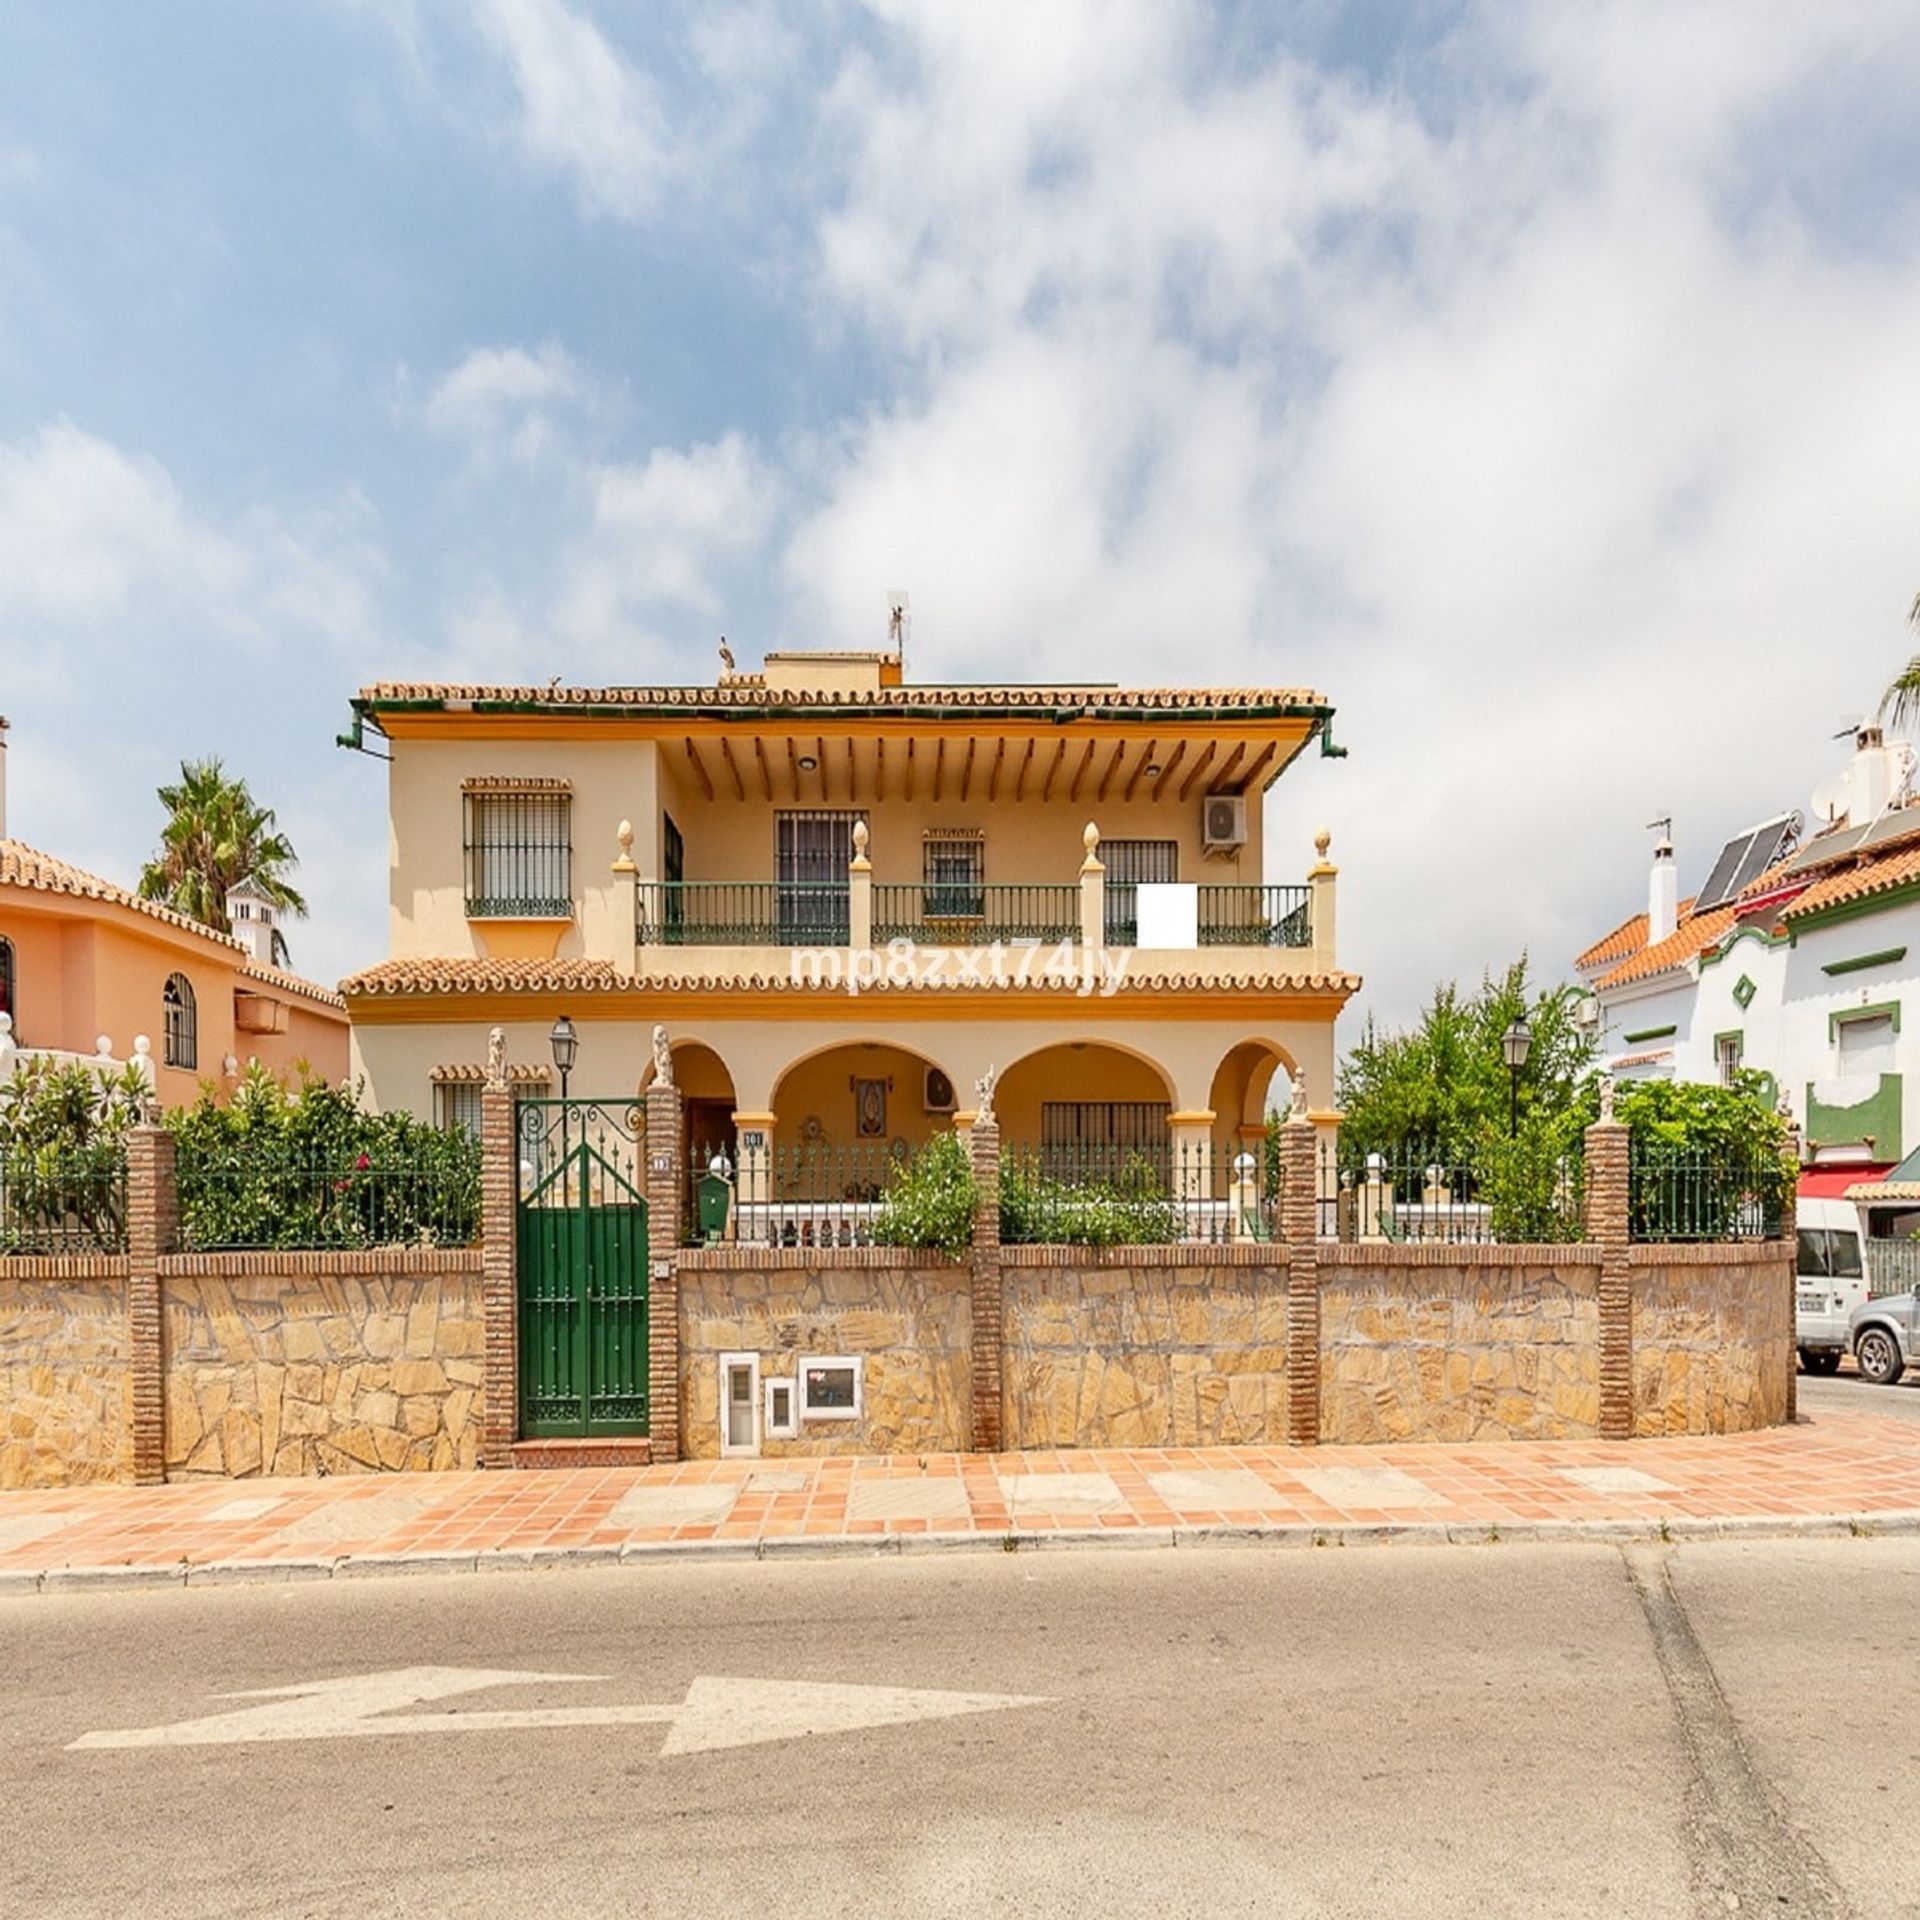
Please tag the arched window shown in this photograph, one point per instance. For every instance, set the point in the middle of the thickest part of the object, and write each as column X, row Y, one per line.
column 8, row 991
column 182, row 1022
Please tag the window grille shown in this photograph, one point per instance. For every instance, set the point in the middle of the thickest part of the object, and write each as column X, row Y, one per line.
column 812, row 848
column 519, row 854
column 1131, row 864
column 1101, row 1138
column 955, row 872
column 181, row 1022
column 456, row 1106
column 1728, row 1047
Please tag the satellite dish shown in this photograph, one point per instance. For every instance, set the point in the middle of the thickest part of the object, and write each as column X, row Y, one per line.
column 1831, row 799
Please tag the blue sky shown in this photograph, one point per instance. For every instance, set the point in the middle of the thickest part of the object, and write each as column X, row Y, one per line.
column 1539, row 383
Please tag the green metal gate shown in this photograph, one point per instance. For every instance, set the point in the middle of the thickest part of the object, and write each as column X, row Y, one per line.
column 583, row 1268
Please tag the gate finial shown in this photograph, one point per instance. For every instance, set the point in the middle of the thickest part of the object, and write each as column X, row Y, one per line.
column 497, row 1059
column 662, row 1059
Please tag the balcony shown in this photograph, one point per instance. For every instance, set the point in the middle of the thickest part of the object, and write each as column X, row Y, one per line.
column 763, row 913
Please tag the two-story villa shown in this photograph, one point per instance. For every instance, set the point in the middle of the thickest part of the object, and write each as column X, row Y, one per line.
column 847, row 897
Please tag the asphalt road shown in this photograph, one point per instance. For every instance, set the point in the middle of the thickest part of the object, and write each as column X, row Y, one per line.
column 1447, row 1731
column 1846, row 1392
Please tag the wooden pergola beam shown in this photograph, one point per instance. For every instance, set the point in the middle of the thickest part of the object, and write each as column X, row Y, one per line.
column 1199, row 768
column 939, row 766
column 993, row 777
column 910, row 765
column 1227, row 766
column 699, row 767
column 1253, row 770
column 1020, row 782
column 1172, row 767
column 766, row 772
column 966, row 768
column 880, row 768
column 793, row 768
column 1080, row 772
column 726, row 755
column 1145, row 761
column 1113, row 767
column 1053, row 772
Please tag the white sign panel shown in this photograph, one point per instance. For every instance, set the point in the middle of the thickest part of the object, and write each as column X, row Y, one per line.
column 1168, row 914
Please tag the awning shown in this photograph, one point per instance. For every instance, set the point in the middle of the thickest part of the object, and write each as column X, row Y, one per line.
column 1831, row 1183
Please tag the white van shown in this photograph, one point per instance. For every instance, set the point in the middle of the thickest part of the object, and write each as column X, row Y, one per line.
column 1832, row 1280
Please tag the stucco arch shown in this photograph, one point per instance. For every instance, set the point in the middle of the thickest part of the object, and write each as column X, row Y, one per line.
column 822, row 1084
column 1089, row 1069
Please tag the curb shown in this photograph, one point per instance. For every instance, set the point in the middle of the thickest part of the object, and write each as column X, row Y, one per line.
column 1678, row 1530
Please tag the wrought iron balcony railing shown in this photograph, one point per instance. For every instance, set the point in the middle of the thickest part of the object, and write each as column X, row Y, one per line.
column 961, row 915
column 743, row 913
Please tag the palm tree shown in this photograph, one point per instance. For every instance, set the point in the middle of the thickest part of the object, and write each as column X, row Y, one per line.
column 214, row 838
column 1901, row 700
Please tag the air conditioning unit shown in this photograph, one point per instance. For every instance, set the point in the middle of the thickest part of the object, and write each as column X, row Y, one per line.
column 1223, row 822
column 939, row 1092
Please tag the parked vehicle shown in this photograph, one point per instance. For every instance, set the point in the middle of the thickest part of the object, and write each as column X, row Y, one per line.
column 1831, row 1281
column 1884, row 1332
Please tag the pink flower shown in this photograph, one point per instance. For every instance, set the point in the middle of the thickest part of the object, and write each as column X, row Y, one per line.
column 363, row 1163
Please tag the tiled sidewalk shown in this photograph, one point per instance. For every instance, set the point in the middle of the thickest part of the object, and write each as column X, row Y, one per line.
column 1858, row 1472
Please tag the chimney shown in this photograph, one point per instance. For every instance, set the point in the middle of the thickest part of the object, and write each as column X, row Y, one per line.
column 1663, row 890
column 1870, row 780
column 3, row 776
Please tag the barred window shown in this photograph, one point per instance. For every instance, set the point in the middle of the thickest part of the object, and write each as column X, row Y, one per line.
column 456, row 1106
column 519, row 855
column 181, row 1021
column 955, row 871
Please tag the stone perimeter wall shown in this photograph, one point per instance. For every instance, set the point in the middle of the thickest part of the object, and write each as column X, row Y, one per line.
column 1713, row 1344
column 1144, row 1346
column 1459, row 1343
column 908, row 1315
column 318, row 1363
column 66, row 1384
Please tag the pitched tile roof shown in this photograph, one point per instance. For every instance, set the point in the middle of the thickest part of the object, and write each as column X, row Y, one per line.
column 284, row 982
column 1859, row 880
column 905, row 699
column 467, row 976
column 1696, row 933
column 25, row 866
column 1628, row 937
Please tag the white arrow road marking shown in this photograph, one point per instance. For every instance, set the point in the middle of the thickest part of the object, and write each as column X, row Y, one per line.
column 716, row 1713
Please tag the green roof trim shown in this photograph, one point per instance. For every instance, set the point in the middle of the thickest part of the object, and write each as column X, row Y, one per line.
column 1652, row 1033
column 1862, row 961
column 1743, row 992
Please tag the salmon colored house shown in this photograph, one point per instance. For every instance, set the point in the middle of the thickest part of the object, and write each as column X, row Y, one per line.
column 847, row 897
column 82, row 960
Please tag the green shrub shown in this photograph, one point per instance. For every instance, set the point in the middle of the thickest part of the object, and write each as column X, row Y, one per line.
column 63, row 1153
column 1530, row 1179
column 1129, row 1207
column 306, row 1167
column 930, row 1199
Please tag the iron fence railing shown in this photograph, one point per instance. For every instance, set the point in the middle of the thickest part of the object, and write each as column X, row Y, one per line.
column 959, row 914
column 1430, row 1196
column 259, row 1195
column 64, row 1199
column 742, row 913
column 1246, row 916
column 814, row 1194
column 1084, row 1193
column 1676, row 1193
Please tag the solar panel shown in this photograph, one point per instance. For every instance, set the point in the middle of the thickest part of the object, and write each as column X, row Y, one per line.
column 1743, row 860
column 1721, row 878
column 1763, row 850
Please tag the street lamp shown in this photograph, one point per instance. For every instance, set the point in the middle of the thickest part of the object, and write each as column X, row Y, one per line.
column 1515, row 1044
column 566, row 1043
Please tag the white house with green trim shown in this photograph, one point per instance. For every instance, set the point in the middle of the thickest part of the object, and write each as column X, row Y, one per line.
column 1799, row 958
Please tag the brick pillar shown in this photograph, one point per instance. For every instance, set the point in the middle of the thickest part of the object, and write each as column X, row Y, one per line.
column 500, row 1275
column 1789, row 1265
column 666, row 1189
column 1608, row 1225
column 153, row 1228
column 988, row 1289
column 1300, row 1230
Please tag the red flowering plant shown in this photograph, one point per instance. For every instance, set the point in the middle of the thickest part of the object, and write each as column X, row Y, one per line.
column 305, row 1165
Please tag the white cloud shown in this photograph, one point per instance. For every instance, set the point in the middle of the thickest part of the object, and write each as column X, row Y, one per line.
column 1512, row 401
column 584, row 110
column 665, row 534
column 89, row 533
column 502, row 402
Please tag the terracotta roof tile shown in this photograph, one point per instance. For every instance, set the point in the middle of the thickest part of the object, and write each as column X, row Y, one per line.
column 1877, row 873
column 1628, row 937
column 455, row 977
column 25, row 866
column 750, row 694
column 1696, row 933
